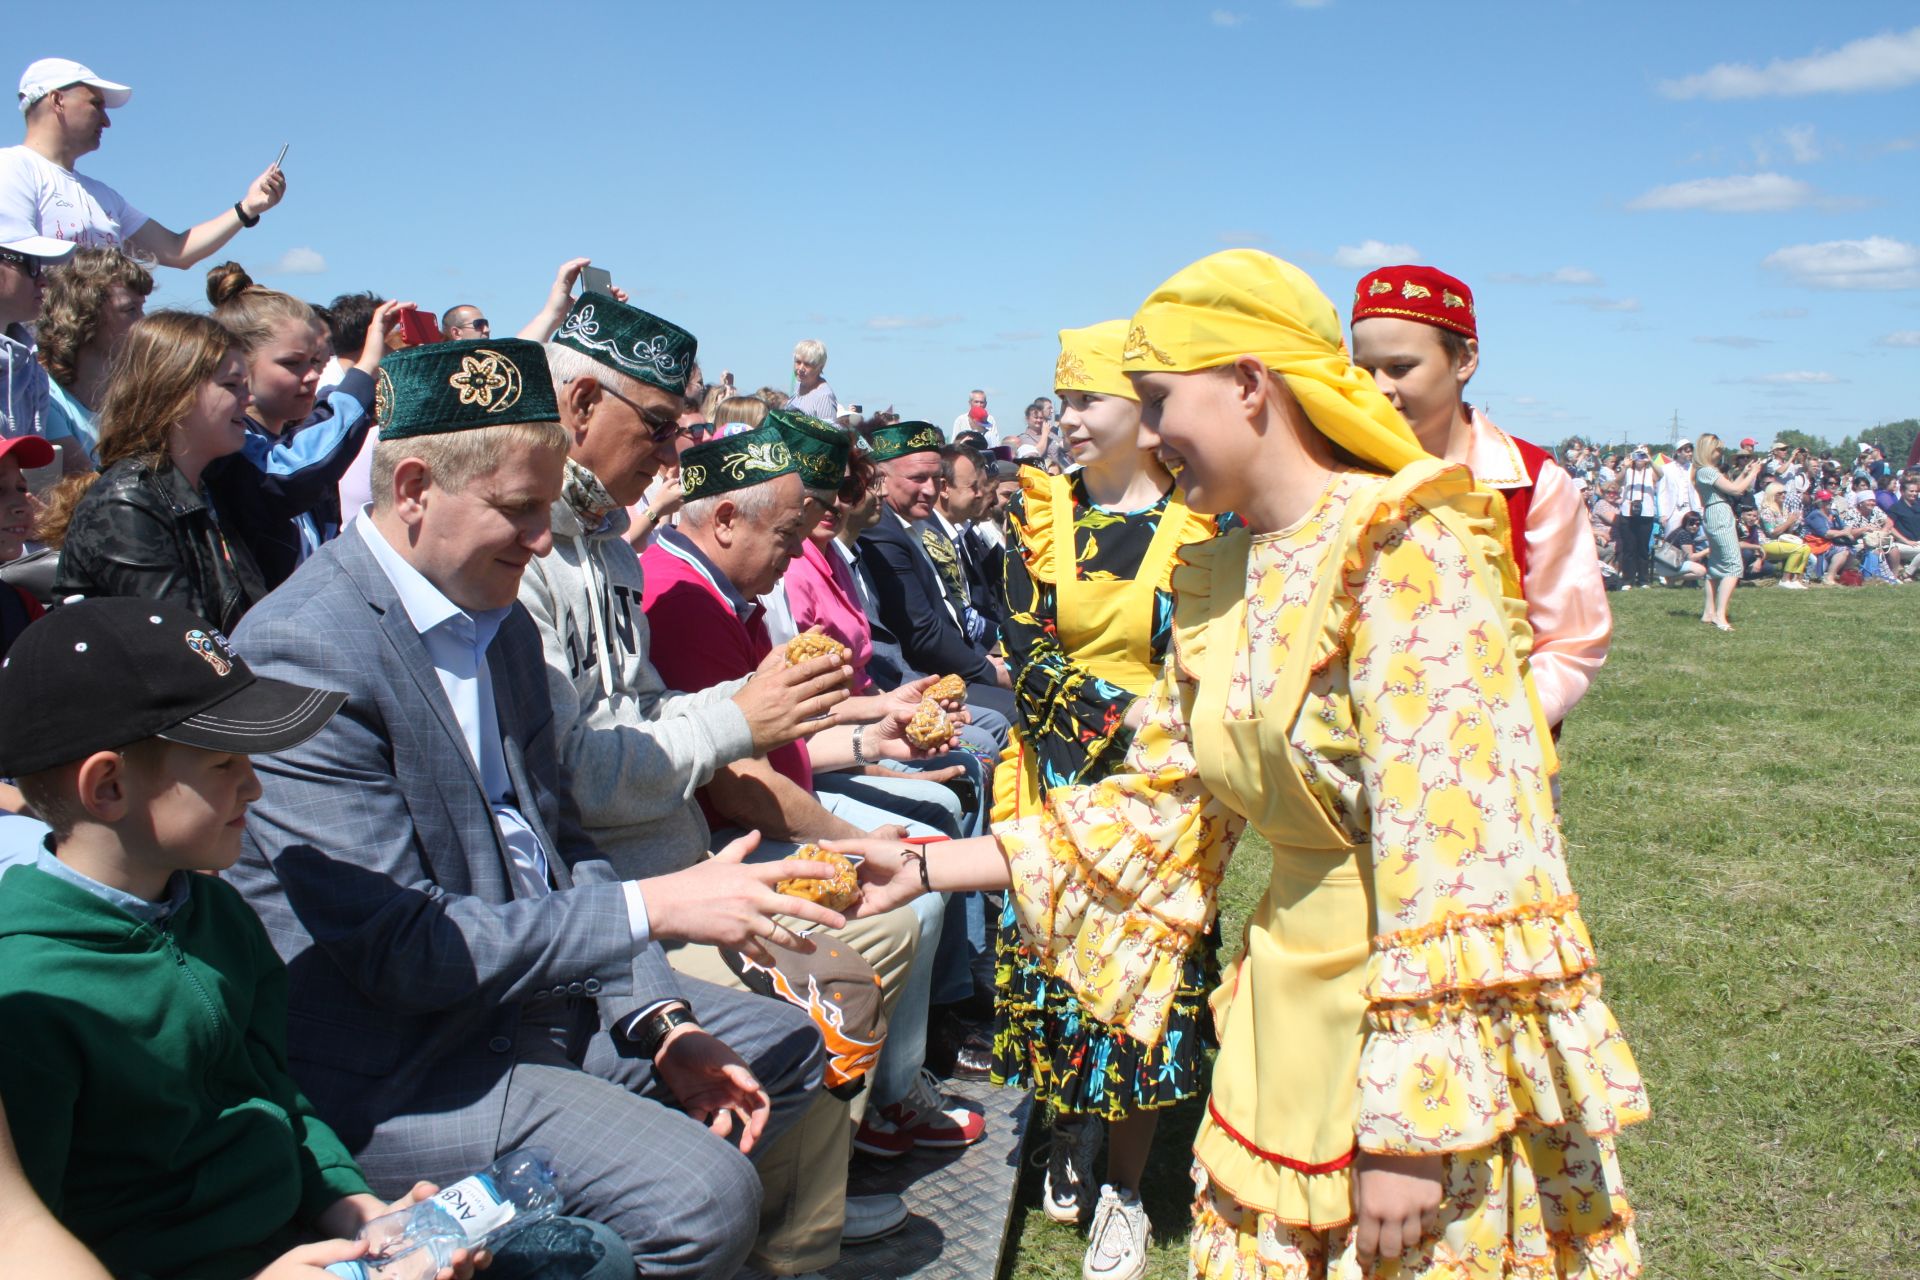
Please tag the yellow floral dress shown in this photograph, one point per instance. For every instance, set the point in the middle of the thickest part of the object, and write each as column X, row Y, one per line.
column 1417, row 979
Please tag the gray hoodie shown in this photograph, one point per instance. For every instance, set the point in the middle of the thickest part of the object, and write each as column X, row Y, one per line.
column 636, row 752
column 23, row 386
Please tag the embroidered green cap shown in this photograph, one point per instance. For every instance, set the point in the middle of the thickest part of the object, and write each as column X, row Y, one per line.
column 820, row 449
column 737, row 462
column 457, row 386
column 634, row 342
column 903, row 438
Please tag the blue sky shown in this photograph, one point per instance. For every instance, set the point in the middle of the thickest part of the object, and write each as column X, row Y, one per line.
column 1709, row 209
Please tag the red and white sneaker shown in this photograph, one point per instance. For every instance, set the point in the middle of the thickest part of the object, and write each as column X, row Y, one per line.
column 924, row 1118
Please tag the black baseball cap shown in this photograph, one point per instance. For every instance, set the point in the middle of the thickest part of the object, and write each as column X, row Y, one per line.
column 96, row 675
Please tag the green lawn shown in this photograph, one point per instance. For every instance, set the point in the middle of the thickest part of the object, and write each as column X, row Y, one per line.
column 1743, row 813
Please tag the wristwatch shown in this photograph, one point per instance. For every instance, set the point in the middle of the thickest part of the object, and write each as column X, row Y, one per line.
column 859, row 756
column 246, row 219
column 651, row 1031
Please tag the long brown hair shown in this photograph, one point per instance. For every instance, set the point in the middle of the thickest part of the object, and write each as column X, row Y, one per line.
column 156, row 378
column 76, row 295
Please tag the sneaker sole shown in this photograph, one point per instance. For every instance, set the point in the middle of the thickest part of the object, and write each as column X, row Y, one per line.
column 1066, row 1215
column 878, row 1235
column 883, row 1153
column 947, row 1144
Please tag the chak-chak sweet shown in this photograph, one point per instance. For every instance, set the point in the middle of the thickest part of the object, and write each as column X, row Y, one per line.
column 836, row 893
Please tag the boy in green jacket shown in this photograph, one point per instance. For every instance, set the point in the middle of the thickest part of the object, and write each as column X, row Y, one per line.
column 144, row 1066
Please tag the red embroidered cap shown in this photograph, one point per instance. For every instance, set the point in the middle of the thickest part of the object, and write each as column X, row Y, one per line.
column 1416, row 293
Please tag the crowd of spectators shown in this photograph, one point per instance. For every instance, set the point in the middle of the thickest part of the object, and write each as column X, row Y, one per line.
column 1801, row 518
column 499, row 866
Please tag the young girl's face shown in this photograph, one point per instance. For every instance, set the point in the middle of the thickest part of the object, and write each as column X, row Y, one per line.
column 1199, row 428
column 284, row 373
column 1100, row 427
column 217, row 424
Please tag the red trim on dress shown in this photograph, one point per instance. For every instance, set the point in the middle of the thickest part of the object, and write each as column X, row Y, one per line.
column 1274, row 1157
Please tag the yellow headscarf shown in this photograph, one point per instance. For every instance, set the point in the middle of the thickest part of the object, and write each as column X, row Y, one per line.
column 1246, row 303
column 1090, row 361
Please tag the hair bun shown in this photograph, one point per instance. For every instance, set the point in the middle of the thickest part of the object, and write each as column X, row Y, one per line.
column 226, row 282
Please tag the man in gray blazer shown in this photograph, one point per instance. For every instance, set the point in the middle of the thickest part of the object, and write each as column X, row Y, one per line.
column 468, row 974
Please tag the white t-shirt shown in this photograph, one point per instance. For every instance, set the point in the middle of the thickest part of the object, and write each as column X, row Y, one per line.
column 38, row 197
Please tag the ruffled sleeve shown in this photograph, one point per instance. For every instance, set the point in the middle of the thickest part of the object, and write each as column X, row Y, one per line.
column 1483, row 1005
column 1116, row 881
column 1072, row 720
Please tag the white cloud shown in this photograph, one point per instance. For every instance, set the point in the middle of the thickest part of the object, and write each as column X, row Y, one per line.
column 1886, row 61
column 1901, row 338
column 1227, row 18
column 911, row 322
column 1563, row 275
column 1878, row 262
column 1369, row 254
column 1795, row 378
column 1736, row 341
column 1800, row 143
column 300, row 261
column 1603, row 304
column 1745, row 193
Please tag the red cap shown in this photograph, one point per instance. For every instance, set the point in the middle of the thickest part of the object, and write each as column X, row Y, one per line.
column 28, row 451
column 1416, row 293
column 1749, row 443
column 1823, row 495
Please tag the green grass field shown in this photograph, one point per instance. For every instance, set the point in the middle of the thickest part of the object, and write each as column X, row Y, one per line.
column 1743, row 813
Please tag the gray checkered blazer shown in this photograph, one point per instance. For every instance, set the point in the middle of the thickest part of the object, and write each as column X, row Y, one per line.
column 373, row 859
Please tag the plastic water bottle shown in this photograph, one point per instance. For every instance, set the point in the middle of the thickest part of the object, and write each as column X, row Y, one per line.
column 411, row 1244
column 511, row 1194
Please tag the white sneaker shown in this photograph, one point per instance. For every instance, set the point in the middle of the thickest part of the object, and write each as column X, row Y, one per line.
column 1117, row 1245
column 871, row 1217
column 1066, row 1193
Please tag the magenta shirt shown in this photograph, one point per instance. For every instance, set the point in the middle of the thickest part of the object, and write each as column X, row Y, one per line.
column 821, row 593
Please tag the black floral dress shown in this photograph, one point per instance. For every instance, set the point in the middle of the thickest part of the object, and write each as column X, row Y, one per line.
column 1073, row 724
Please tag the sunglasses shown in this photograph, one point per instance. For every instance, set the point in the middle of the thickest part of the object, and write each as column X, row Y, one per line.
column 28, row 265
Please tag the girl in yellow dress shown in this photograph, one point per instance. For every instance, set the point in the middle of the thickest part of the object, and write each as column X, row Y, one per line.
column 1417, row 1072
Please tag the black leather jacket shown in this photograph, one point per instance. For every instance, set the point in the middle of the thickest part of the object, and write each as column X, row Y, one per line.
column 142, row 531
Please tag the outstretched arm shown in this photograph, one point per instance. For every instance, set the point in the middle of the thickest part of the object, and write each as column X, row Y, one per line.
column 184, row 249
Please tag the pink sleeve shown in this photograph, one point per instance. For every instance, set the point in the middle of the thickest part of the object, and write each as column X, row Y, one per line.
column 1566, row 598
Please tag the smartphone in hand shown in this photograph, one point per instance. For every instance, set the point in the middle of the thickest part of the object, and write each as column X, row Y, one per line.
column 596, row 280
column 418, row 328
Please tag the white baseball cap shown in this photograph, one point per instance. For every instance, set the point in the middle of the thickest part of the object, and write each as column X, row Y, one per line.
column 48, row 74
column 37, row 246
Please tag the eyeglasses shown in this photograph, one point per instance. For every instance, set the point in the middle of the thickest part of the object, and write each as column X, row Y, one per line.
column 28, row 265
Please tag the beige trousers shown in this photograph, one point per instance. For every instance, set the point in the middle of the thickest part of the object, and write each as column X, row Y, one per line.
column 804, row 1172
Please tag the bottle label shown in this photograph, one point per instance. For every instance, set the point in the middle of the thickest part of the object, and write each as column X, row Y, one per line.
column 476, row 1204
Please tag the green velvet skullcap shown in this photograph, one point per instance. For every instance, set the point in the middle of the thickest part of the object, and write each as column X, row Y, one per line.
column 819, row 449
column 457, row 386
column 903, row 438
column 737, row 462
column 627, row 339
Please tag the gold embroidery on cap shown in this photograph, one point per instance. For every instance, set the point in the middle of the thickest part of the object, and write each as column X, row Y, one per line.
column 1379, row 287
column 766, row 455
column 488, row 379
column 383, row 398
column 927, row 437
column 1452, row 299
column 1412, row 290
column 692, row 477
column 1137, row 346
column 1069, row 371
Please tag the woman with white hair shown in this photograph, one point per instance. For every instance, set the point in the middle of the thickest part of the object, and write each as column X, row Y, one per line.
column 811, row 394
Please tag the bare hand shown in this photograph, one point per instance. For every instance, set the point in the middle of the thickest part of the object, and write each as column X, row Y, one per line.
column 783, row 704
column 266, row 191
column 362, row 1217
column 310, row 1261
column 888, row 879
column 1001, row 676
column 386, row 318
column 725, row 902
column 1396, row 1201
column 668, row 498
column 713, row 1085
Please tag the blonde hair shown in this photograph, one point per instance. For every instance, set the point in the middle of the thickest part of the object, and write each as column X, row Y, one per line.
column 750, row 411
column 1706, row 452
column 253, row 313
column 456, row 459
column 811, row 351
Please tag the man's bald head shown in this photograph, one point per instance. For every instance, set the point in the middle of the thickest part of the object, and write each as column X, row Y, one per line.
column 464, row 322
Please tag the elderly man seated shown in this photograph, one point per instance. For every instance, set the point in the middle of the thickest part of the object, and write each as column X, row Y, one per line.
column 637, row 751
column 746, row 516
column 468, row 974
